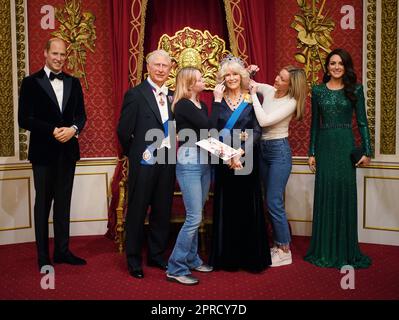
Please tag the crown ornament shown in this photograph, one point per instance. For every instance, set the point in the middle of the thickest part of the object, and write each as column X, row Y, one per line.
column 232, row 58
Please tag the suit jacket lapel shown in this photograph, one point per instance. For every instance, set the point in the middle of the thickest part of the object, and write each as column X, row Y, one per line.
column 149, row 96
column 46, row 85
column 67, row 91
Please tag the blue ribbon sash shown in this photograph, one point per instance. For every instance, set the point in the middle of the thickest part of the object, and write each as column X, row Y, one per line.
column 148, row 158
column 233, row 119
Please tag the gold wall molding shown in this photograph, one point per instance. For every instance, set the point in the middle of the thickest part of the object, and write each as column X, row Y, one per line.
column 136, row 50
column 107, row 192
column 29, row 226
column 7, row 148
column 365, row 226
column 235, row 29
column 21, row 67
column 389, row 69
column 371, row 46
column 80, row 163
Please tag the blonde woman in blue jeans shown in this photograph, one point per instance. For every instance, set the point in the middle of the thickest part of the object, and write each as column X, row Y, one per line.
column 281, row 102
column 192, row 172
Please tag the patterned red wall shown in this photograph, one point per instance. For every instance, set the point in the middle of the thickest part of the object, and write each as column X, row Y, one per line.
column 98, row 138
column 351, row 40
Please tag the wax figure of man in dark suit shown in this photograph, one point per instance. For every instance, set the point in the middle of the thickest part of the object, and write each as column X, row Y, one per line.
column 151, row 183
column 51, row 107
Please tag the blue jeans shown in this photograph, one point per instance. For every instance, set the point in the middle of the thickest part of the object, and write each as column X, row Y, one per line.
column 194, row 181
column 275, row 167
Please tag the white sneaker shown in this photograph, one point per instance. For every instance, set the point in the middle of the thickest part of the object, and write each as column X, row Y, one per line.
column 187, row 280
column 280, row 258
column 204, row 268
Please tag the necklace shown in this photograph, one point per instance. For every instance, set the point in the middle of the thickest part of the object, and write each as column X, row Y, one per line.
column 231, row 104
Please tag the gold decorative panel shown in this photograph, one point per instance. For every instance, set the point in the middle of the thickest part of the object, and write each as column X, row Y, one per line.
column 21, row 67
column 234, row 25
column 7, row 148
column 194, row 48
column 371, row 18
column 77, row 29
column 389, row 69
column 314, row 38
column 136, row 49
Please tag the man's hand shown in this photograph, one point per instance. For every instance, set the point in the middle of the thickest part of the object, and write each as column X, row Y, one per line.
column 64, row 134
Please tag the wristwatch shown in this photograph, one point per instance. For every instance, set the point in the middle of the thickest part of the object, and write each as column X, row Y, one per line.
column 76, row 130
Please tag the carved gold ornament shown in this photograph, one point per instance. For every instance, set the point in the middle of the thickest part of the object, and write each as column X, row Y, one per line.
column 7, row 145
column 77, row 29
column 194, row 48
column 314, row 39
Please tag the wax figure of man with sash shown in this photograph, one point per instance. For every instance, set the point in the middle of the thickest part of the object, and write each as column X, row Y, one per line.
column 143, row 132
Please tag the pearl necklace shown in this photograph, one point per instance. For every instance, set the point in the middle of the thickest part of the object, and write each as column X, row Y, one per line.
column 231, row 104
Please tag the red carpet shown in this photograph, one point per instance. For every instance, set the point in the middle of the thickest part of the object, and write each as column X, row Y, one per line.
column 105, row 277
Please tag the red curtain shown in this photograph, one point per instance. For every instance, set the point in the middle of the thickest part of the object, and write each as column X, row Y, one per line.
column 120, row 17
column 173, row 15
column 259, row 29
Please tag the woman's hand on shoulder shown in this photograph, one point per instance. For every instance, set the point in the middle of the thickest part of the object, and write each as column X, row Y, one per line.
column 312, row 163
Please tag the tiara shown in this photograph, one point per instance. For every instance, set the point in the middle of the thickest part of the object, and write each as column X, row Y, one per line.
column 231, row 58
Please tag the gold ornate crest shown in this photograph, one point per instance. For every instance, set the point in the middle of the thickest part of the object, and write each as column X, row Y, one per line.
column 194, row 48
column 314, row 38
column 77, row 29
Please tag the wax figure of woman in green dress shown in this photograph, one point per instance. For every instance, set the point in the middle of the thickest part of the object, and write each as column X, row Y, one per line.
column 334, row 241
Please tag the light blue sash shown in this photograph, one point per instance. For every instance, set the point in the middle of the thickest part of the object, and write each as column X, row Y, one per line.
column 233, row 119
column 148, row 158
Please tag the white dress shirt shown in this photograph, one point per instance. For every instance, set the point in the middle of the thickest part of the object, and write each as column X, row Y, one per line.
column 161, row 93
column 58, row 87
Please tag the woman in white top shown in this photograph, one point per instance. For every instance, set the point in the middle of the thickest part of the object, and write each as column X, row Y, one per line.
column 281, row 102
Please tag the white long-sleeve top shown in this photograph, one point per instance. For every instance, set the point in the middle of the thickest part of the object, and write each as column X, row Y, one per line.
column 275, row 114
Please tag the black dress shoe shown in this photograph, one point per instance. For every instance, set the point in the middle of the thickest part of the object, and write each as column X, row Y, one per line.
column 136, row 273
column 69, row 258
column 158, row 264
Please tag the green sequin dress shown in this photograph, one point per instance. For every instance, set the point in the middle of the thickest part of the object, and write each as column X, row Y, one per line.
column 334, row 241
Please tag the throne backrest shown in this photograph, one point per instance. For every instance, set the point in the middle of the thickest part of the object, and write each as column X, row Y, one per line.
column 194, row 48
